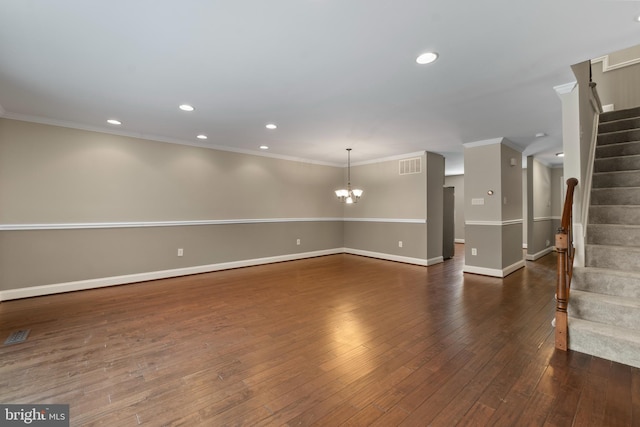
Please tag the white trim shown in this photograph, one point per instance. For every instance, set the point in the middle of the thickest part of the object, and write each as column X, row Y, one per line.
column 388, row 159
column 458, row 240
column 157, row 138
column 579, row 244
column 395, row 220
column 512, row 145
column 493, row 141
column 436, row 260
column 153, row 275
column 607, row 67
column 482, row 143
column 92, row 225
column 525, row 246
column 102, row 282
column 497, row 223
column 533, row 257
column 542, row 218
column 565, row 88
column 391, row 257
column 494, row 272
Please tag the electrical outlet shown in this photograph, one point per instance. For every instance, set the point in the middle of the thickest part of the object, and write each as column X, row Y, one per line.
column 400, row 243
column 548, row 242
column 298, row 242
column 180, row 252
column 474, row 251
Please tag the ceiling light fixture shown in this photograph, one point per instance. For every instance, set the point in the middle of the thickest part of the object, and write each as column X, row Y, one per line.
column 638, row 18
column 427, row 58
column 271, row 126
column 540, row 134
column 264, row 147
column 347, row 195
column 114, row 122
column 186, row 107
column 559, row 154
column 201, row 136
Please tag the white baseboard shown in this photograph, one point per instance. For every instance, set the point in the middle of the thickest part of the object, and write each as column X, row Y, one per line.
column 391, row 257
column 80, row 285
column 102, row 282
column 494, row 272
column 533, row 257
column 436, row 260
column 458, row 240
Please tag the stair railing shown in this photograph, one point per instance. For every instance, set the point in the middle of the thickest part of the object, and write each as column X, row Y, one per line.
column 566, row 253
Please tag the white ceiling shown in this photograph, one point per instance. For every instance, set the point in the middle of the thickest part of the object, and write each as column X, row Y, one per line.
column 331, row 74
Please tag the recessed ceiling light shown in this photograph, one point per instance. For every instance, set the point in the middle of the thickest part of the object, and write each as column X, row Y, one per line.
column 638, row 18
column 427, row 58
column 186, row 107
column 559, row 154
column 264, row 147
column 271, row 126
column 201, row 136
column 540, row 134
column 114, row 122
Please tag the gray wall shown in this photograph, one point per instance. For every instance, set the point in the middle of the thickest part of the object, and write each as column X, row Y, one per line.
column 382, row 218
column 40, row 257
column 54, row 174
column 83, row 206
column 434, row 205
column 525, row 207
column 540, row 236
column 457, row 181
column 494, row 228
column 557, row 197
column 54, row 177
column 387, row 194
column 620, row 87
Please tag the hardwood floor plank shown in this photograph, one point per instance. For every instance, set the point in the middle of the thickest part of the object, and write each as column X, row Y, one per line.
column 590, row 410
column 334, row 340
column 635, row 396
column 617, row 411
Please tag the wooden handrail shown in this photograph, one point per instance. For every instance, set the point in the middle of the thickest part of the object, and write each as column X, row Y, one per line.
column 566, row 252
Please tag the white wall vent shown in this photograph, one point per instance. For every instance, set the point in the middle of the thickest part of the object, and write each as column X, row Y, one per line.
column 409, row 166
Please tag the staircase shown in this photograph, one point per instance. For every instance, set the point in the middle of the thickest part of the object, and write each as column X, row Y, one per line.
column 604, row 308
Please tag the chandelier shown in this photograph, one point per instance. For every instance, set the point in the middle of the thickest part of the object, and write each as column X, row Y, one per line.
column 349, row 195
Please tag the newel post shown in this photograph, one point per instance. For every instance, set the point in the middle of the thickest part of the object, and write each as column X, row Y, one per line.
column 564, row 246
column 561, row 290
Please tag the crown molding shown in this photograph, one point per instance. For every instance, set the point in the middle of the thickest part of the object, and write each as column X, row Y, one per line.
column 482, row 143
column 565, row 88
column 493, row 141
column 390, row 158
column 606, row 66
column 156, row 138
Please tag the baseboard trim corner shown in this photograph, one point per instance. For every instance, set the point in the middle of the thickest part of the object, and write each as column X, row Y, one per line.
column 538, row 255
column 493, row 272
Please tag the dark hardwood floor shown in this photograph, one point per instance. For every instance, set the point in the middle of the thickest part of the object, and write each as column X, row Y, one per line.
column 334, row 340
